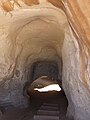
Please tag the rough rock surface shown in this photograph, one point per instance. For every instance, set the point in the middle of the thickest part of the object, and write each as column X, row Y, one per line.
column 33, row 33
column 76, row 71
column 0, row 113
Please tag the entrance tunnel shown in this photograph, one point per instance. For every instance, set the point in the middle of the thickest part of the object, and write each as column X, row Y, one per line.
column 44, row 61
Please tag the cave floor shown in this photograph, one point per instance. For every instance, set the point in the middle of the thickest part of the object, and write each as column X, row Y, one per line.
column 28, row 113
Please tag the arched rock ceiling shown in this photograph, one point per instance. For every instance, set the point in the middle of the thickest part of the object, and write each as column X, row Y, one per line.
column 51, row 18
column 16, row 28
column 38, row 42
column 78, row 15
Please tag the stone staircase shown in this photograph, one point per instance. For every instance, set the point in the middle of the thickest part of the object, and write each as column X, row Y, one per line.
column 47, row 111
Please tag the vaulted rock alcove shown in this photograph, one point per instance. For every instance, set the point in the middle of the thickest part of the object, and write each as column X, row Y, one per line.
column 45, row 31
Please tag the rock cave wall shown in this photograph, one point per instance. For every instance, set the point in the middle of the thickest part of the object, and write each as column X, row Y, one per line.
column 36, row 37
column 36, row 34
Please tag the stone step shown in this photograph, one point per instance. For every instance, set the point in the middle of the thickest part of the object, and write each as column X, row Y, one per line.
column 4, row 104
column 42, row 117
column 48, row 108
column 50, row 104
column 48, row 112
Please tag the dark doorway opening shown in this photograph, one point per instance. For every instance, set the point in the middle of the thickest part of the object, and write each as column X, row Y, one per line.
column 45, row 73
column 45, row 68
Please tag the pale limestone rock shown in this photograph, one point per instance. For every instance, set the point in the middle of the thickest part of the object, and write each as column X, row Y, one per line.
column 34, row 33
column 24, row 46
column 76, row 68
